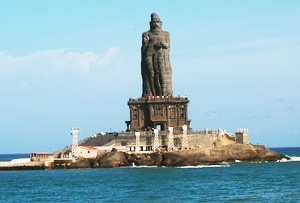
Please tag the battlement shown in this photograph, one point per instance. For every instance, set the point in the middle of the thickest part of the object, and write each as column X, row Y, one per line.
column 242, row 130
column 159, row 98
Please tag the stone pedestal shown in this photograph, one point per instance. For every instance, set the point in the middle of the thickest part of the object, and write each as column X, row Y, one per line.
column 158, row 113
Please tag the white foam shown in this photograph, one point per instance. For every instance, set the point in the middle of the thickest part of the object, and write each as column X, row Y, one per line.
column 142, row 166
column 206, row 166
column 293, row 158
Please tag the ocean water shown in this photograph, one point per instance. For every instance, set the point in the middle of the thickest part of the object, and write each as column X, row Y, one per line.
column 8, row 157
column 228, row 182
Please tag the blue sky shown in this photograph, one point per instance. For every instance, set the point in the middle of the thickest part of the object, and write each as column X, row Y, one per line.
column 70, row 64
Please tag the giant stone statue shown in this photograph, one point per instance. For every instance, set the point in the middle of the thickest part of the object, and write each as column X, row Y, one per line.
column 158, row 108
column 155, row 65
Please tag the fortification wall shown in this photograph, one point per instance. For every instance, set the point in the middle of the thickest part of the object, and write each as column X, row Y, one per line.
column 198, row 140
column 201, row 140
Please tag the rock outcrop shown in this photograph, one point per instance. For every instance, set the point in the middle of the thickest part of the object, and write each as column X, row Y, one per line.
column 224, row 150
column 117, row 159
column 245, row 153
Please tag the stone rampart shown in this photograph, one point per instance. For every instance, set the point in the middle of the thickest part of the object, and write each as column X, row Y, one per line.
column 195, row 140
column 201, row 140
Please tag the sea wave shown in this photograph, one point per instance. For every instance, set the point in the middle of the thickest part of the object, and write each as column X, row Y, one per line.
column 143, row 166
column 293, row 158
column 199, row 166
column 205, row 166
column 140, row 166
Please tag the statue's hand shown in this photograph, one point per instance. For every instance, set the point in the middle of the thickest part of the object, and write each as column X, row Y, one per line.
column 158, row 45
column 146, row 38
column 164, row 45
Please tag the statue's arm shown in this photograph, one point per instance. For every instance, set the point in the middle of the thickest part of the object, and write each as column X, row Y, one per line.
column 145, row 40
column 166, row 44
column 168, row 39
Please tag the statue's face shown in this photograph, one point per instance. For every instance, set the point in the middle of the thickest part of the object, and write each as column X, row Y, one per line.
column 154, row 25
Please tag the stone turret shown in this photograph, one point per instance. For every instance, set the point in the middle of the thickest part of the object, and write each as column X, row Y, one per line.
column 242, row 136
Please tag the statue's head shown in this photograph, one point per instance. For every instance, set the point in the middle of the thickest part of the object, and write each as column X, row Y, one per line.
column 155, row 23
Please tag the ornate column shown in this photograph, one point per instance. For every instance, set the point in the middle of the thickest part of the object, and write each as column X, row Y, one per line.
column 186, row 114
column 137, row 141
column 75, row 132
column 170, row 139
column 156, row 140
column 178, row 115
column 185, row 144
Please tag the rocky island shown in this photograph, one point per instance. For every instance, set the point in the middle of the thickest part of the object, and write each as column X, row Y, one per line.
column 223, row 149
column 229, row 152
column 159, row 132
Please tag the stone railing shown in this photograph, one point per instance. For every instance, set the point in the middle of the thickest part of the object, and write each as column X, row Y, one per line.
column 158, row 98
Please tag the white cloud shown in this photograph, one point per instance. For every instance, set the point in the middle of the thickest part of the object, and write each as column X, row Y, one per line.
column 55, row 61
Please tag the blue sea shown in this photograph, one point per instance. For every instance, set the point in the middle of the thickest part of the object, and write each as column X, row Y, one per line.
column 228, row 182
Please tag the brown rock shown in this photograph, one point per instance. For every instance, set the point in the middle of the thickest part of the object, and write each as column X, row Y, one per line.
column 228, row 152
column 153, row 159
column 113, row 159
